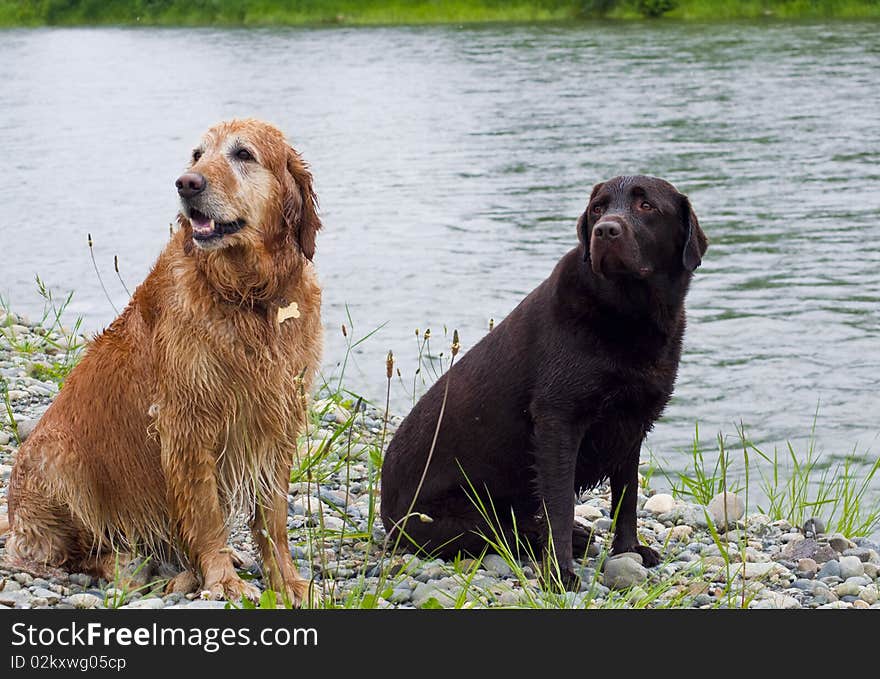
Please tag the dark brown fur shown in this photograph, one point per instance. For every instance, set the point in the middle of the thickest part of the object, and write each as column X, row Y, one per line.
column 562, row 393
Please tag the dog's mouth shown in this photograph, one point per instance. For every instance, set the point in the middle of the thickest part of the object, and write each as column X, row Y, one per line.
column 206, row 229
column 610, row 262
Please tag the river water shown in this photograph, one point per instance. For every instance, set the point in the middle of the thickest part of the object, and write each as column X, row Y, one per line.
column 452, row 163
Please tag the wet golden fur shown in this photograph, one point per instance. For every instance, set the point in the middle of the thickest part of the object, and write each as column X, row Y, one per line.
column 187, row 409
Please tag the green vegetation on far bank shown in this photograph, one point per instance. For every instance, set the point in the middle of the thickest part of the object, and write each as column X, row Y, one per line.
column 363, row 12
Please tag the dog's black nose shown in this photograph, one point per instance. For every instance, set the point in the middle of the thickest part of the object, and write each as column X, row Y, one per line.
column 607, row 230
column 190, row 184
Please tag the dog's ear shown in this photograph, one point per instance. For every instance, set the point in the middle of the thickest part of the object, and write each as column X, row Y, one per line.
column 695, row 241
column 300, row 204
column 582, row 222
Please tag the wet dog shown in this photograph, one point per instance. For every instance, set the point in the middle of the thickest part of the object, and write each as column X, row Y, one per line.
column 185, row 412
column 560, row 395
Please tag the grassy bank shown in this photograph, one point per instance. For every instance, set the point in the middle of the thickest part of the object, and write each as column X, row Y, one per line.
column 744, row 561
column 365, row 12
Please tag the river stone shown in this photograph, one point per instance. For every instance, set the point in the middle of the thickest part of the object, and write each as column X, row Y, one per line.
column 604, row 524
column 623, row 572
column 870, row 594
column 497, row 565
column 796, row 549
column 839, row 543
column 863, row 553
column 588, row 512
column 4, row 438
column 81, row 579
column 807, row 567
column 735, row 509
column 153, row 603
column 84, row 600
column 14, row 598
column 851, row 566
column 47, row 594
column 660, row 503
column 814, row 526
column 680, row 533
column 26, row 428
column 848, row 588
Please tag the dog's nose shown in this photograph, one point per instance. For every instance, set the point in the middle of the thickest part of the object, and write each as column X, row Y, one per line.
column 190, row 184
column 607, row 230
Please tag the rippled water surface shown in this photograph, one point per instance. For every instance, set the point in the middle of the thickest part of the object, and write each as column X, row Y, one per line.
column 451, row 165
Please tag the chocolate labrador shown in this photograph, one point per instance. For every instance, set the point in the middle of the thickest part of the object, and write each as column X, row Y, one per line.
column 560, row 395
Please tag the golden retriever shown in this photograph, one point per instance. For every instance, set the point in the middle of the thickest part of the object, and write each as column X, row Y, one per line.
column 186, row 410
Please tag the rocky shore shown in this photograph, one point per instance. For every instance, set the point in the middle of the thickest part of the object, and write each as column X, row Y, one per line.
column 714, row 556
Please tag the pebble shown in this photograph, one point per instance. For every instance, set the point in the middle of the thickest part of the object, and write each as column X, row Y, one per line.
column 588, row 512
column 807, row 567
column 25, row 428
column 870, row 594
column 786, row 567
column 735, row 509
column 84, row 600
column 47, row 594
column 850, row 566
column 624, row 572
column 660, row 503
column 150, row 603
column 839, row 543
column 497, row 565
column 829, row 568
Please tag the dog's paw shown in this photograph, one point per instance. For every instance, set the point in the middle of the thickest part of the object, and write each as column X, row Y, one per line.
column 232, row 588
column 184, row 582
column 302, row 593
column 650, row 557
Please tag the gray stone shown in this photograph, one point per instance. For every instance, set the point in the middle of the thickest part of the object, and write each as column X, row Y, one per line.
column 621, row 573
column 15, row 598
column 588, row 512
column 814, row 526
column 796, row 550
column 660, row 503
column 424, row 592
column 4, row 438
column 851, row 566
column 400, row 595
column 870, row 594
column 10, row 586
column 805, row 585
column 151, row 603
column 25, row 428
column 496, row 564
column 47, row 594
column 735, row 509
column 84, row 600
column 848, row 588
column 863, row 553
column 604, row 524
column 24, row 579
column 202, row 603
column 829, row 569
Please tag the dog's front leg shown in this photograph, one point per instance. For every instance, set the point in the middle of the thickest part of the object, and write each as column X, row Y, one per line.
column 269, row 529
column 197, row 518
column 556, row 444
column 624, row 496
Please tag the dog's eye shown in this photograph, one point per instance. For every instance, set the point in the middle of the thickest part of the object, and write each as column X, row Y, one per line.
column 196, row 155
column 597, row 209
column 244, row 154
column 645, row 205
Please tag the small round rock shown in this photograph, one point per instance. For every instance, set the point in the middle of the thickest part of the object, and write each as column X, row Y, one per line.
column 661, row 503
